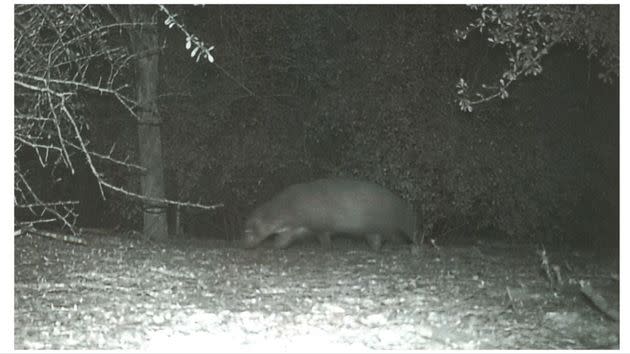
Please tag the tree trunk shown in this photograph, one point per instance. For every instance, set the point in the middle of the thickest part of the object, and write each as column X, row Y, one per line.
column 144, row 42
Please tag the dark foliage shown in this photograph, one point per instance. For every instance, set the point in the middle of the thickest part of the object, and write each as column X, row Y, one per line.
column 367, row 91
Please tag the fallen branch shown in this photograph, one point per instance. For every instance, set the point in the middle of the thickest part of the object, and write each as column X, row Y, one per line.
column 30, row 230
column 598, row 300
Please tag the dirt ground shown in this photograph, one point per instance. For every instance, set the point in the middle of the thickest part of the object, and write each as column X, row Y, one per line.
column 120, row 292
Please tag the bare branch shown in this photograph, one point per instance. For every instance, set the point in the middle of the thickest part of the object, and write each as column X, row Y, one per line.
column 83, row 145
column 69, row 211
column 51, row 204
column 62, row 52
column 159, row 200
column 128, row 103
column 108, row 157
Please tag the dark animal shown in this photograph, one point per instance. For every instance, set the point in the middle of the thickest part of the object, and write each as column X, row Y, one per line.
column 325, row 207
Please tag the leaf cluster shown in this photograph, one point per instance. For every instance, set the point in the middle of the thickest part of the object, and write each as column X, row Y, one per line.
column 528, row 33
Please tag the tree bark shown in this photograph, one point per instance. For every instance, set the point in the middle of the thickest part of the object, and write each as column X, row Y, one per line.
column 145, row 45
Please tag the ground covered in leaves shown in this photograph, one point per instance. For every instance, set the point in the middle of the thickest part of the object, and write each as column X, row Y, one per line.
column 120, row 292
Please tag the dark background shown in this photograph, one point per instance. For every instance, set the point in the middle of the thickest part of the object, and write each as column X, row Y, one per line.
column 369, row 91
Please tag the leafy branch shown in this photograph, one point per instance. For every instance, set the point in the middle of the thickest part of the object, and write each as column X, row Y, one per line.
column 529, row 32
column 198, row 49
